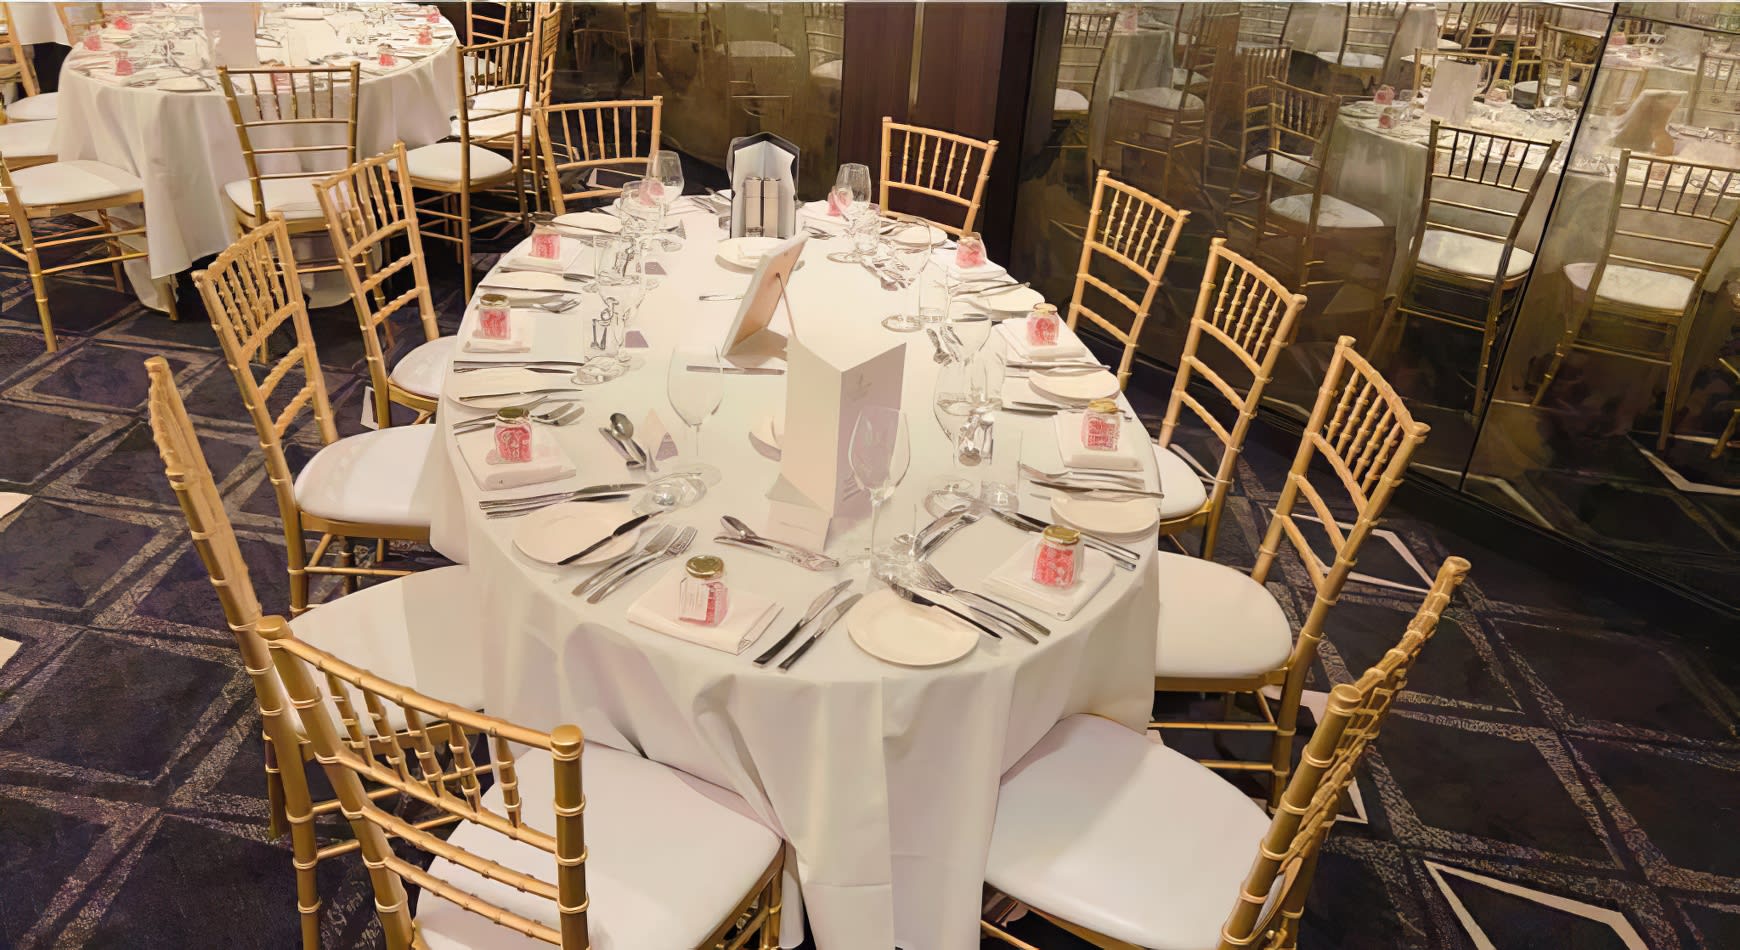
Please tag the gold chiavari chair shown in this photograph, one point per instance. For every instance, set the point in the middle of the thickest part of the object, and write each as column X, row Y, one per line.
column 1079, row 58
column 1153, row 132
column 608, row 24
column 1715, row 99
column 1246, row 155
column 26, row 144
column 291, row 121
column 501, row 20
column 935, row 165
column 1478, row 190
column 673, row 861
column 825, row 34
column 1367, row 34
column 1137, row 232
column 1666, row 222
column 1244, row 315
column 1471, row 27
column 391, row 628
column 1725, row 441
column 1233, row 637
column 1426, row 65
column 582, row 140
column 371, row 215
column 1125, row 843
column 361, row 486
column 1263, row 24
column 34, row 105
column 495, row 77
column 1564, row 67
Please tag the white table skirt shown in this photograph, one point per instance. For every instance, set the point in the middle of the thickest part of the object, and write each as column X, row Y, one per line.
column 184, row 146
column 37, row 23
column 882, row 779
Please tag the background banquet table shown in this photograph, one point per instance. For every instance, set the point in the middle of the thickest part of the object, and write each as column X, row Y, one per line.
column 882, row 778
column 183, row 145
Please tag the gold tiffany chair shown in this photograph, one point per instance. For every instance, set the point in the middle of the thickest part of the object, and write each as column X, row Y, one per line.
column 1222, row 631
column 1248, row 317
column 417, row 629
column 34, row 105
column 369, row 485
column 1258, row 67
column 637, row 856
column 372, row 218
column 582, row 140
column 1137, row 232
column 1666, row 222
column 1368, row 32
column 1478, row 190
column 938, row 166
column 1715, row 99
column 1126, row 843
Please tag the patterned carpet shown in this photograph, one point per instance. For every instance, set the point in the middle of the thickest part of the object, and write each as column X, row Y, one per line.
column 1563, row 773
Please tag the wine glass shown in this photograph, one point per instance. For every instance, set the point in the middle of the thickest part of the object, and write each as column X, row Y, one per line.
column 952, row 403
column 913, row 249
column 666, row 168
column 695, row 396
column 879, row 453
column 851, row 194
column 619, row 279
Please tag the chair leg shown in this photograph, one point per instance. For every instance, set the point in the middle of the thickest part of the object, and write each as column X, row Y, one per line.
column 1567, row 341
column 770, row 925
column 465, row 239
column 277, row 823
column 1488, row 336
column 115, row 250
column 298, row 590
column 1676, row 365
column 166, row 288
column 1281, row 752
column 304, row 852
column 39, row 287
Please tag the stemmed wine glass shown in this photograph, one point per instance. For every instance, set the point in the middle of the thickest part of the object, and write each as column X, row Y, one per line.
column 913, row 250
column 695, row 396
column 851, row 194
column 619, row 280
column 642, row 213
column 880, row 453
column 665, row 168
column 957, row 415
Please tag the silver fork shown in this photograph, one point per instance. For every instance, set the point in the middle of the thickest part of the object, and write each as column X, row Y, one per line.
column 676, row 549
column 659, row 541
column 558, row 415
column 935, row 581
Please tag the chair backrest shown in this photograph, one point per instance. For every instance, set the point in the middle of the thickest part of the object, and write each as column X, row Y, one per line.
column 1354, row 714
column 19, row 68
column 825, row 32
column 1426, row 65
column 546, row 43
column 1301, row 124
column 372, row 220
column 1480, row 184
column 292, row 121
column 1136, row 232
column 1715, row 90
column 250, row 291
column 501, row 20
column 1215, row 42
column 1263, row 24
column 1370, row 27
column 344, row 707
column 1258, row 66
column 76, row 18
column 1249, row 316
column 1084, row 45
column 581, row 139
column 1473, row 26
column 496, row 77
column 935, row 164
column 1669, row 216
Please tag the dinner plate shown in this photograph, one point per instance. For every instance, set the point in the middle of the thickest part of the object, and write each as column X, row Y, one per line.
column 1115, row 519
column 1080, row 387
column 906, row 634
column 465, row 388
column 746, row 252
column 1016, row 300
column 182, row 84
column 595, row 221
column 550, row 534
column 905, row 232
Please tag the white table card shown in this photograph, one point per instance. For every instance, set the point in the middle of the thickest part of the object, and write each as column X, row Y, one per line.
column 232, row 26
column 1453, row 89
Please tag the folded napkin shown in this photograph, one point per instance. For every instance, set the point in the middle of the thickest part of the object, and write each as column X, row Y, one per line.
column 568, row 253
column 1121, row 459
column 1013, row 579
column 527, row 281
column 1014, row 333
column 816, row 212
column 547, row 465
column 746, row 615
column 985, row 271
column 519, row 337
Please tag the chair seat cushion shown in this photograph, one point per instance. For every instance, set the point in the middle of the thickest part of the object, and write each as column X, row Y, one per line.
column 1332, row 213
column 1111, row 830
column 1285, row 165
column 1469, row 255
column 1633, row 286
column 421, row 370
column 1216, row 622
column 489, row 124
column 1068, row 100
column 668, row 857
column 497, row 100
column 65, row 183
column 829, row 70
column 27, row 139
column 1160, row 97
column 1353, row 60
column 294, row 197
column 1184, row 491
column 372, row 477
column 441, row 162
column 36, row 108
column 755, row 49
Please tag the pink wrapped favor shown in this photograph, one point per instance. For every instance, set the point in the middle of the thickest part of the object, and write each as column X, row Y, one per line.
column 969, row 251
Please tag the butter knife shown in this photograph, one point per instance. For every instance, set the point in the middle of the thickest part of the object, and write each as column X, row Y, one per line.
column 816, row 607
column 803, row 559
column 840, row 610
column 621, row 530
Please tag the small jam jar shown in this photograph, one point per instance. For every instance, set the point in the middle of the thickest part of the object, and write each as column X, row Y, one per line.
column 546, row 243
column 1057, row 558
column 1385, row 95
column 386, row 57
column 702, row 598
column 1099, row 425
column 425, row 36
column 122, row 22
column 513, row 435
column 1387, row 117
column 432, row 13
column 1043, row 325
column 123, row 65
column 93, row 38
column 494, row 320
column 969, row 251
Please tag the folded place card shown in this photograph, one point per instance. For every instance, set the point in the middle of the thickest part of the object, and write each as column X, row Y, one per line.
column 654, row 436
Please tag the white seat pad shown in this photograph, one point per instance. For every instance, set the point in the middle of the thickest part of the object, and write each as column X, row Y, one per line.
column 498, row 100
column 374, row 477
column 72, row 182
column 831, row 70
column 1111, row 830
column 36, row 108
column 1160, row 97
column 292, row 196
column 487, row 126
column 440, row 162
column 1332, row 213
column 421, row 370
column 27, row 139
column 1181, row 485
column 1285, row 165
column 668, row 856
column 1470, row 255
column 1354, row 60
column 1068, row 100
column 1633, row 286
column 1216, row 622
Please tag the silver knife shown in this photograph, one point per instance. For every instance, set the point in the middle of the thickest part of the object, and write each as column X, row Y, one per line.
column 621, row 530
column 839, row 610
column 738, row 370
column 816, row 607
column 468, row 400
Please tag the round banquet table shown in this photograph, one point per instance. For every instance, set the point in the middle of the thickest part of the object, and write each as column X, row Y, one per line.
column 183, row 145
column 882, row 779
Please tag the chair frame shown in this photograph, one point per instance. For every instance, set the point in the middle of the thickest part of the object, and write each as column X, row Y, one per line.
column 250, row 290
column 1362, row 429
column 516, row 20
column 1258, row 66
column 1084, row 33
column 1139, row 233
column 955, row 170
column 21, row 70
column 368, row 210
column 601, row 144
column 1250, row 38
column 1389, row 16
column 1716, row 81
column 1460, row 23
column 1252, row 316
column 824, row 33
column 63, row 12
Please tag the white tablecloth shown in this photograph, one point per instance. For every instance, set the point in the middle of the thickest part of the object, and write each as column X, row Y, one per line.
column 183, row 145
column 1141, row 60
column 37, row 23
column 883, row 779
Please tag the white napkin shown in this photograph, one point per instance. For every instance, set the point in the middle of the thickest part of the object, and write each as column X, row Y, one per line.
column 1014, row 579
column 1014, row 333
column 746, row 615
column 986, row 271
column 1076, row 455
column 547, row 465
column 816, row 213
column 567, row 254
column 519, row 337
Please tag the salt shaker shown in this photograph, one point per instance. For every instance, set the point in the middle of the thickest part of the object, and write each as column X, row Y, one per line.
column 969, row 251
column 1042, row 325
column 1057, row 558
column 702, row 598
column 546, row 243
column 1099, row 425
column 513, row 434
column 494, row 321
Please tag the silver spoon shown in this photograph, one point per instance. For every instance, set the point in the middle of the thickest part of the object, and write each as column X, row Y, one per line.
column 624, row 429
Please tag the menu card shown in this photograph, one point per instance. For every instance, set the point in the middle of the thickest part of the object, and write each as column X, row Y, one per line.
column 233, row 26
column 1453, row 89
